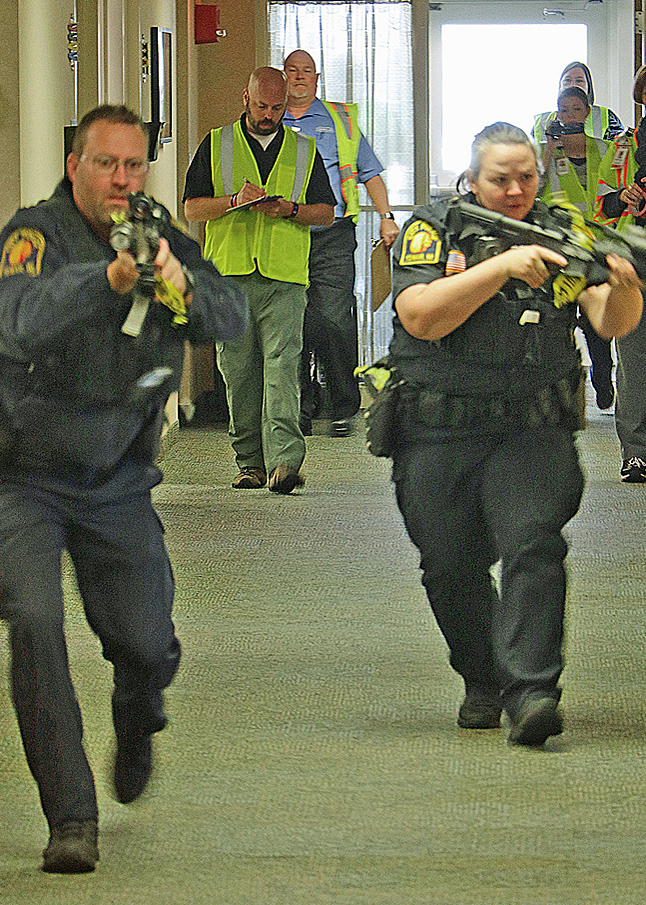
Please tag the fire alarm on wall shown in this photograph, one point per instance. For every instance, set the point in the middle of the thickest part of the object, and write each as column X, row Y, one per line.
column 207, row 24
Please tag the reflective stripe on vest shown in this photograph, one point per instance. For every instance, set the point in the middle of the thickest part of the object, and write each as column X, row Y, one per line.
column 239, row 243
column 348, row 136
column 226, row 164
column 226, row 158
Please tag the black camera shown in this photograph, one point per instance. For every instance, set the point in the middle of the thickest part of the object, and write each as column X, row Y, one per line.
column 556, row 129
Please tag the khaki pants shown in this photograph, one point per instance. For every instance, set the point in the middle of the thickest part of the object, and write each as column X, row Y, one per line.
column 260, row 372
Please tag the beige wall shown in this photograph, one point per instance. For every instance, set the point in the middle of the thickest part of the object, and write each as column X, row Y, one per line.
column 9, row 110
column 223, row 68
column 208, row 86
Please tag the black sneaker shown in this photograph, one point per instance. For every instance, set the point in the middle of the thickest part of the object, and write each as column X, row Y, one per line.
column 480, row 710
column 133, row 765
column 538, row 719
column 72, row 848
column 633, row 471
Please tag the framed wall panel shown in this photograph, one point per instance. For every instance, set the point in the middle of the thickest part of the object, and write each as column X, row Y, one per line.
column 161, row 81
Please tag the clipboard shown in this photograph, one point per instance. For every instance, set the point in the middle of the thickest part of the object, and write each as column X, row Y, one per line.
column 380, row 273
column 248, row 204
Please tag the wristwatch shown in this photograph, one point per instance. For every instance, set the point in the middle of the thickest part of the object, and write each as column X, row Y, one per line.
column 388, row 216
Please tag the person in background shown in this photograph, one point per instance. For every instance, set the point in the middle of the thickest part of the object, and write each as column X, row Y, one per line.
column 81, row 409
column 601, row 122
column 485, row 463
column 330, row 327
column 621, row 202
column 571, row 161
column 265, row 248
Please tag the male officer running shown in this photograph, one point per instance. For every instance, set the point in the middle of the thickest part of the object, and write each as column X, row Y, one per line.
column 80, row 422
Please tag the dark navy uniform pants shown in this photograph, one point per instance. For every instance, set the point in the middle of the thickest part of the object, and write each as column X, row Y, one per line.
column 468, row 503
column 115, row 540
column 600, row 351
column 330, row 326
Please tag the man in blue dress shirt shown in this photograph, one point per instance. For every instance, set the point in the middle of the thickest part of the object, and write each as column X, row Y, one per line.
column 330, row 329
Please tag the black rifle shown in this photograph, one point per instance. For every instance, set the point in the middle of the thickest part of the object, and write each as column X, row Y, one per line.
column 139, row 232
column 586, row 255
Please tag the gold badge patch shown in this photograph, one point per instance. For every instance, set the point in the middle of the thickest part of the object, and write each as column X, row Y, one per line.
column 421, row 244
column 22, row 253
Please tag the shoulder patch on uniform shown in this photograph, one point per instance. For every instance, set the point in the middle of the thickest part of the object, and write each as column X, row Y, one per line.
column 421, row 244
column 22, row 253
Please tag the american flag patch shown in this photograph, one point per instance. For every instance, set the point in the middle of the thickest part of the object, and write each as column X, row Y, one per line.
column 455, row 263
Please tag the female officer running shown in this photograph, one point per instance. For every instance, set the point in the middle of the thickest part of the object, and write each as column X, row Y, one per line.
column 485, row 466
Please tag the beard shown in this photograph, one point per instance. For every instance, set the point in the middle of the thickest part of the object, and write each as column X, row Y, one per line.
column 261, row 126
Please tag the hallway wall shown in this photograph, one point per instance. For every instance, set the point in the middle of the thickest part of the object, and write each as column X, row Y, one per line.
column 9, row 109
column 224, row 67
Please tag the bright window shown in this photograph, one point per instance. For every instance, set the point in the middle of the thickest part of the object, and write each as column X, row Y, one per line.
column 513, row 72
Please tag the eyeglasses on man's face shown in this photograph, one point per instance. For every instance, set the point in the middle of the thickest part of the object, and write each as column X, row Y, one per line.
column 104, row 164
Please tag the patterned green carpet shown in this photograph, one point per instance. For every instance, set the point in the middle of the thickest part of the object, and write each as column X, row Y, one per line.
column 313, row 756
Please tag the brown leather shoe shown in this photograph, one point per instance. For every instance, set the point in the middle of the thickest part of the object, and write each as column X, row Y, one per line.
column 284, row 478
column 250, row 478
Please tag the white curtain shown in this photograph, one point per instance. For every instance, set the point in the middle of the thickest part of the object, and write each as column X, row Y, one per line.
column 363, row 52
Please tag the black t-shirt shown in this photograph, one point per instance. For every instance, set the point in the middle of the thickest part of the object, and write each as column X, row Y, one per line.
column 199, row 179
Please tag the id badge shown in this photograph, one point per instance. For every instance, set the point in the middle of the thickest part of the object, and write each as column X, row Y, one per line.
column 562, row 166
column 621, row 154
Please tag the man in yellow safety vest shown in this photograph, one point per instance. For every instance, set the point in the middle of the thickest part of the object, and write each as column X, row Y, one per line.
column 259, row 188
column 330, row 331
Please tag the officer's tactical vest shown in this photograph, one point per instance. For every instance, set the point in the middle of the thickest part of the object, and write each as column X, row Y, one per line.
column 239, row 243
column 595, row 125
column 348, row 136
column 496, row 350
column 567, row 183
column 617, row 171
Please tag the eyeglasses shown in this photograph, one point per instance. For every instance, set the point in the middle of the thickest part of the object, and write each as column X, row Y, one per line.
column 108, row 165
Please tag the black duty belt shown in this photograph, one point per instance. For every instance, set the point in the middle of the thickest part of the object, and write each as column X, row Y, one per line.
column 558, row 403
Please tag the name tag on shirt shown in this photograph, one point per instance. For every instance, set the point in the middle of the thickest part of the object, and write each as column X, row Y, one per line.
column 562, row 166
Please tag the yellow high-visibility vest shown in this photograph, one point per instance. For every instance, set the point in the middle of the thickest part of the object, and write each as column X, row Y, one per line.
column 595, row 124
column 567, row 184
column 348, row 136
column 616, row 172
column 241, row 242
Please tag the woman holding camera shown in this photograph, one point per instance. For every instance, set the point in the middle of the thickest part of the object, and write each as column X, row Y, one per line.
column 570, row 157
column 485, row 464
column 572, row 160
column 601, row 122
